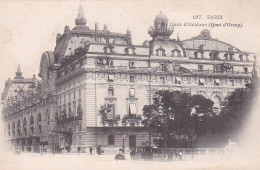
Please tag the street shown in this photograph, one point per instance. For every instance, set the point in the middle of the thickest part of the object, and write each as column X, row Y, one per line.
column 85, row 161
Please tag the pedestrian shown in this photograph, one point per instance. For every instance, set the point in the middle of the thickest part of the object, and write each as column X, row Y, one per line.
column 120, row 156
column 132, row 154
column 90, row 150
column 180, row 155
column 78, row 150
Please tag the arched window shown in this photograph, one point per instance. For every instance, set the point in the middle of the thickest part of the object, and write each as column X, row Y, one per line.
column 217, row 103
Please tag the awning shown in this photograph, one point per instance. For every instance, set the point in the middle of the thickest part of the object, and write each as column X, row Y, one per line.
column 132, row 92
column 217, row 81
column 132, row 108
column 202, row 81
column 178, row 79
column 111, row 77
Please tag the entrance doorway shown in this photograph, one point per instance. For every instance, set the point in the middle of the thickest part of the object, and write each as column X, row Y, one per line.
column 132, row 142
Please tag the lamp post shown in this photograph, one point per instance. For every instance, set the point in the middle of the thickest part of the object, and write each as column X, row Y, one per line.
column 165, row 119
column 123, row 147
column 53, row 142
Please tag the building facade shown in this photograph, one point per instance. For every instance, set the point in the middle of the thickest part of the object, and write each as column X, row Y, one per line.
column 95, row 83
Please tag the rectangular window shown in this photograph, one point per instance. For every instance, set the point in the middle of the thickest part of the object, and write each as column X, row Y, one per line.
column 132, row 124
column 200, row 67
column 131, row 64
column 162, row 80
column 111, row 111
column 111, row 139
column 177, row 80
column 196, row 54
column 241, row 57
column 132, row 92
column 132, row 109
column 110, row 77
column 246, row 70
column 162, row 67
column 232, row 82
column 110, row 92
column 132, row 79
column 217, row 68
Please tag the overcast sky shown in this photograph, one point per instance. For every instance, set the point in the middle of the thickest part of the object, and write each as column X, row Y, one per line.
column 27, row 29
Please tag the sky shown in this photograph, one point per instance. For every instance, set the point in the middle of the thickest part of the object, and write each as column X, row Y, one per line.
column 28, row 28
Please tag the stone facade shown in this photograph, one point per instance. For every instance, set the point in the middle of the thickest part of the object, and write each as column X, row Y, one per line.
column 94, row 85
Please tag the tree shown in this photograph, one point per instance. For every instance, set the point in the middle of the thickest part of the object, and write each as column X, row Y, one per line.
column 183, row 115
column 235, row 111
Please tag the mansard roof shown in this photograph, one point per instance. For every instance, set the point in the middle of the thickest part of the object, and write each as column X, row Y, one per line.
column 205, row 36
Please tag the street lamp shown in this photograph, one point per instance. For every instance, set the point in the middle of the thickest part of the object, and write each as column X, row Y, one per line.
column 165, row 120
column 123, row 147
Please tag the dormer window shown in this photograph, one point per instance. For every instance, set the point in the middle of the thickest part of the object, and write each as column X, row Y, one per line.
column 226, row 56
column 129, row 51
column 176, row 53
column 195, row 54
column 160, row 52
column 247, row 58
column 215, row 56
column 109, row 49
column 162, row 67
column 126, row 50
column 131, row 64
column 241, row 57
column 231, row 56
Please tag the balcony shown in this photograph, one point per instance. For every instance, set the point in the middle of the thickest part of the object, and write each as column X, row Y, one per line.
column 221, row 72
column 68, row 119
column 111, row 120
column 131, row 118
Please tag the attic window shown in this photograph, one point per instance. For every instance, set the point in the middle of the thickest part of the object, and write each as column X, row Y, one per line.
column 196, row 54
column 127, row 51
column 176, row 53
column 241, row 57
column 160, row 52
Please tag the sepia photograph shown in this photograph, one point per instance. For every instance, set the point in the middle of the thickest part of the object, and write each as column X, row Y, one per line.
column 126, row 84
